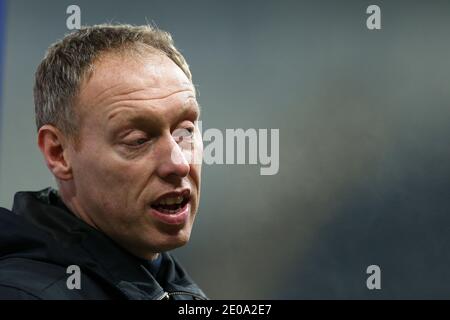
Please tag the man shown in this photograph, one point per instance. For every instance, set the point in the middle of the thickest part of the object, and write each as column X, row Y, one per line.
column 116, row 113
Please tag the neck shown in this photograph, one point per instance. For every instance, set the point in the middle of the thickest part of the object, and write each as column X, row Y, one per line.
column 74, row 207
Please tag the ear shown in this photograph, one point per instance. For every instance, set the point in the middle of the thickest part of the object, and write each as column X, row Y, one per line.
column 54, row 146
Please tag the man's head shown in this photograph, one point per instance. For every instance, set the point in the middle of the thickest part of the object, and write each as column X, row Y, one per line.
column 116, row 114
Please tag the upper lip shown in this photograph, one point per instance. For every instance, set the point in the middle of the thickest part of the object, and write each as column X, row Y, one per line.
column 185, row 193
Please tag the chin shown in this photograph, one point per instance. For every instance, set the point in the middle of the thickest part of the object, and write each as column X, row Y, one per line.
column 174, row 242
column 167, row 241
column 159, row 242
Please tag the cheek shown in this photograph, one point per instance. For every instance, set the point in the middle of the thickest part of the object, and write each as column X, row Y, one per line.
column 119, row 182
column 99, row 168
column 111, row 189
column 104, row 174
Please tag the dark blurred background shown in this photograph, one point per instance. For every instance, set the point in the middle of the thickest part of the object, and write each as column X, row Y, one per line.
column 364, row 119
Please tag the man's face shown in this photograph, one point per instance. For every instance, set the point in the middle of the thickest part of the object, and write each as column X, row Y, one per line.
column 130, row 171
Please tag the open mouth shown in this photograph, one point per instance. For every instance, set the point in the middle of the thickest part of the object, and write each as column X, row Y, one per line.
column 171, row 203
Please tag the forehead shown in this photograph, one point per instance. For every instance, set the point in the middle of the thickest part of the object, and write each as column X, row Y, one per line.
column 117, row 78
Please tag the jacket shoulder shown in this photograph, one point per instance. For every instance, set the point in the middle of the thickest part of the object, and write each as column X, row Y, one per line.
column 13, row 293
column 22, row 278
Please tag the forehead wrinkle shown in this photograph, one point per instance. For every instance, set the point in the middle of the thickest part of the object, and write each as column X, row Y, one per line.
column 119, row 101
column 129, row 92
column 141, row 86
column 127, row 112
column 127, row 96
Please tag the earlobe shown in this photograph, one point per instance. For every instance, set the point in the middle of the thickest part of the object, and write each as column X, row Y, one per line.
column 53, row 145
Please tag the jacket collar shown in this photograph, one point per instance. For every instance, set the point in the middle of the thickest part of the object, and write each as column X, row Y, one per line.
column 80, row 244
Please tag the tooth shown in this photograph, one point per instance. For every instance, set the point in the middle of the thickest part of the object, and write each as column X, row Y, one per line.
column 170, row 201
column 179, row 199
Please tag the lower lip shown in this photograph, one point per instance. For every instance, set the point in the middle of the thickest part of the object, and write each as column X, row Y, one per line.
column 178, row 218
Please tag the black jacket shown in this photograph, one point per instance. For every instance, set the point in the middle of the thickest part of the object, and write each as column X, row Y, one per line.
column 41, row 238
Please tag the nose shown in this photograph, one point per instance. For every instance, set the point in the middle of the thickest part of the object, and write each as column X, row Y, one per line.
column 172, row 163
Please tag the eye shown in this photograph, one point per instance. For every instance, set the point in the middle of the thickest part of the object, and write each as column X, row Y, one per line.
column 183, row 134
column 135, row 142
column 139, row 142
column 190, row 130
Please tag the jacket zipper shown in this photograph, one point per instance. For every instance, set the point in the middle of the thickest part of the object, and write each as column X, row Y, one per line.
column 165, row 296
column 174, row 293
